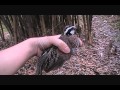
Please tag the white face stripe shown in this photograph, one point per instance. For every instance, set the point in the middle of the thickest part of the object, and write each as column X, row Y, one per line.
column 68, row 29
column 72, row 32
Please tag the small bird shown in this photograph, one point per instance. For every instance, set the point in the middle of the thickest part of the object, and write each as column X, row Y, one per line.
column 52, row 58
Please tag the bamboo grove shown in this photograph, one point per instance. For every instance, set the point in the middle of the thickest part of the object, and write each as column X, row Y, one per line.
column 21, row 27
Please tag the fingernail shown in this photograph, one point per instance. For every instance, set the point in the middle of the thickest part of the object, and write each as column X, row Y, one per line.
column 67, row 50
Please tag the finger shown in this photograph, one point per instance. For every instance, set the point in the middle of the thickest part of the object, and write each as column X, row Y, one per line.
column 60, row 44
column 56, row 36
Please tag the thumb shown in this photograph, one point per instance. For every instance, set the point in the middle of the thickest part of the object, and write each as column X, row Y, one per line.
column 60, row 44
column 63, row 46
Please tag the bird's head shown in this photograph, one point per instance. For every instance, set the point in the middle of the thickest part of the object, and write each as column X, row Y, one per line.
column 69, row 30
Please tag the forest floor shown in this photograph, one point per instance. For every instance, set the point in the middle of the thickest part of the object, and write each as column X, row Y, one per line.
column 103, row 58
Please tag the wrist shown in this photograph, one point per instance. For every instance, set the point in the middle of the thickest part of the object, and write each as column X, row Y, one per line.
column 33, row 46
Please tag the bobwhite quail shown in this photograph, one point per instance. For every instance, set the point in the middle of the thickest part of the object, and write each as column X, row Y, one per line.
column 52, row 58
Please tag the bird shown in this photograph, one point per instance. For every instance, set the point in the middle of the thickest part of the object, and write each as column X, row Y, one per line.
column 52, row 58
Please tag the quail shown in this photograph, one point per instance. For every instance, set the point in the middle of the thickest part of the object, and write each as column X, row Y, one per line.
column 52, row 58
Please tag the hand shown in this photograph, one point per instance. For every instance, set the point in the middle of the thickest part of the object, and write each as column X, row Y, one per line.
column 13, row 58
column 47, row 41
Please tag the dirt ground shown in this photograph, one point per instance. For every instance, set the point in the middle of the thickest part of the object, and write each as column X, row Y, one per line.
column 103, row 58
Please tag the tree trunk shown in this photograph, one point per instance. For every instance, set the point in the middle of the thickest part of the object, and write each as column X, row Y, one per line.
column 15, row 28
column 53, row 24
column 1, row 32
column 42, row 23
column 85, row 27
column 89, row 22
column 69, row 20
column 73, row 19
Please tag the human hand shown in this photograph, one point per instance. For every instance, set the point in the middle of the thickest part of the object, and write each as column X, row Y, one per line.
column 47, row 41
